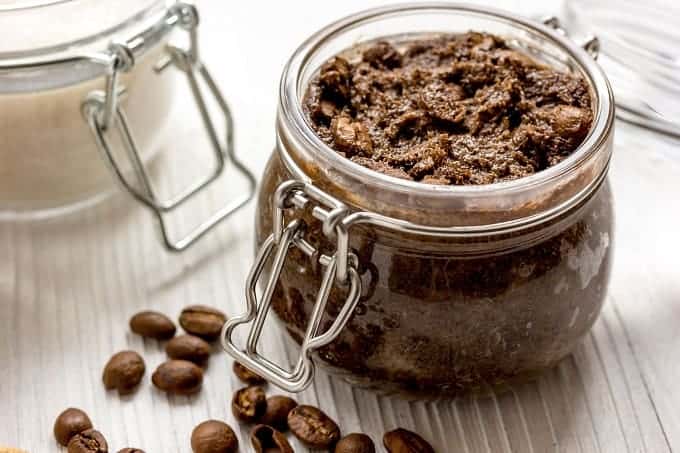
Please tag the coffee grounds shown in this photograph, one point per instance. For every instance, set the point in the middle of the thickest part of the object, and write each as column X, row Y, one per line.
column 456, row 109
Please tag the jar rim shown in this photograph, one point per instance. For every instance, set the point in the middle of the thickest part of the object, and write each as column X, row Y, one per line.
column 290, row 105
column 85, row 57
column 79, row 47
column 23, row 5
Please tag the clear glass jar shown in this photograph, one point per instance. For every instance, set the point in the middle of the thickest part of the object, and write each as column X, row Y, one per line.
column 49, row 157
column 459, row 288
column 86, row 99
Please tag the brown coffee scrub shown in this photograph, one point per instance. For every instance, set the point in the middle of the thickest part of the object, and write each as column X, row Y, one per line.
column 458, row 109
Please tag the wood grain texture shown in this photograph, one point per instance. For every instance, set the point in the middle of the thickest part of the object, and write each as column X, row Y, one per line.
column 69, row 285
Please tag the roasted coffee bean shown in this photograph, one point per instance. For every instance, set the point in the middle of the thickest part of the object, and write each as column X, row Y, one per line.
column 178, row 376
column 355, row 443
column 213, row 436
column 69, row 423
column 130, row 450
column 404, row 441
column 124, row 372
column 188, row 347
column 203, row 321
column 278, row 408
column 313, row 427
column 152, row 324
column 89, row 441
column 266, row 439
column 249, row 404
column 247, row 376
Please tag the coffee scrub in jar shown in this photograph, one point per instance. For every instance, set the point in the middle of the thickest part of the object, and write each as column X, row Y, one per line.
column 436, row 217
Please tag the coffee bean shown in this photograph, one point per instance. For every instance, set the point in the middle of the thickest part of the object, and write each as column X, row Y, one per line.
column 404, row 441
column 188, row 347
column 89, row 441
column 213, row 436
column 203, row 321
column 266, row 439
column 313, row 427
column 247, row 376
column 276, row 415
column 152, row 324
column 355, row 443
column 249, row 404
column 130, row 450
column 69, row 423
column 123, row 372
column 178, row 376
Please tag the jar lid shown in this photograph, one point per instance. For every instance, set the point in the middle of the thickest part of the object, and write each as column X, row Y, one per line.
column 36, row 26
column 54, row 43
column 640, row 52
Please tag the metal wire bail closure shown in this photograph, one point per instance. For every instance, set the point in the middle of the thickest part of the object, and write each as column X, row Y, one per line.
column 103, row 112
column 340, row 269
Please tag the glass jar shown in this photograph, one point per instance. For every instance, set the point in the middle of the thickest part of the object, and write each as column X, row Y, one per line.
column 82, row 80
column 428, row 290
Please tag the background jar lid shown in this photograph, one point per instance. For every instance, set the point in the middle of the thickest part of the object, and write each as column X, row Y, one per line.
column 41, row 25
column 56, row 43
column 640, row 52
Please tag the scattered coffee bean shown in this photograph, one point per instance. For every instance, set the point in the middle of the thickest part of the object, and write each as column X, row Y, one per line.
column 69, row 423
column 266, row 439
column 178, row 376
column 152, row 324
column 203, row 321
column 249, row 404
column 213, row 436
column 188, row 347
column 89, row 441
column 130, row 450
column 404, row 441
column 278, row 408
column 313, row 427
column 247, row 376
column 124, row 372
column 355, row 443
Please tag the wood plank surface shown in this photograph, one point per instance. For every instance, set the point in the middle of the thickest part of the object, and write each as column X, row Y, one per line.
column 68, row 286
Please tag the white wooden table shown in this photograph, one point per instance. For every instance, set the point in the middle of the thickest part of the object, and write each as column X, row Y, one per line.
column 69, row 285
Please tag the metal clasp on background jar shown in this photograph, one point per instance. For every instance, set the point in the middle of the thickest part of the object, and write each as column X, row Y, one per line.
column 343, row 197
column 103, row 113
column 83, row 66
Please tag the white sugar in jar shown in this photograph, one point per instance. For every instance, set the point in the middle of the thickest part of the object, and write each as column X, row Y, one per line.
column 86, row 89
column 48, row 158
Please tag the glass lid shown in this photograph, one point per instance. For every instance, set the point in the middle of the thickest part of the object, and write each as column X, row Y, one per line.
column 54, row 43
column 640, row 52
column 37, row 26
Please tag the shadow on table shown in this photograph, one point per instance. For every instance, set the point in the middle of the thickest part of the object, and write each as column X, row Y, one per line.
column 539, row 416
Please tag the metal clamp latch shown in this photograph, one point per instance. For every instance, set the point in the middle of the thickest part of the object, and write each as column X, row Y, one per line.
column 590, row 44
column 103, row 112
column 340, row 269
